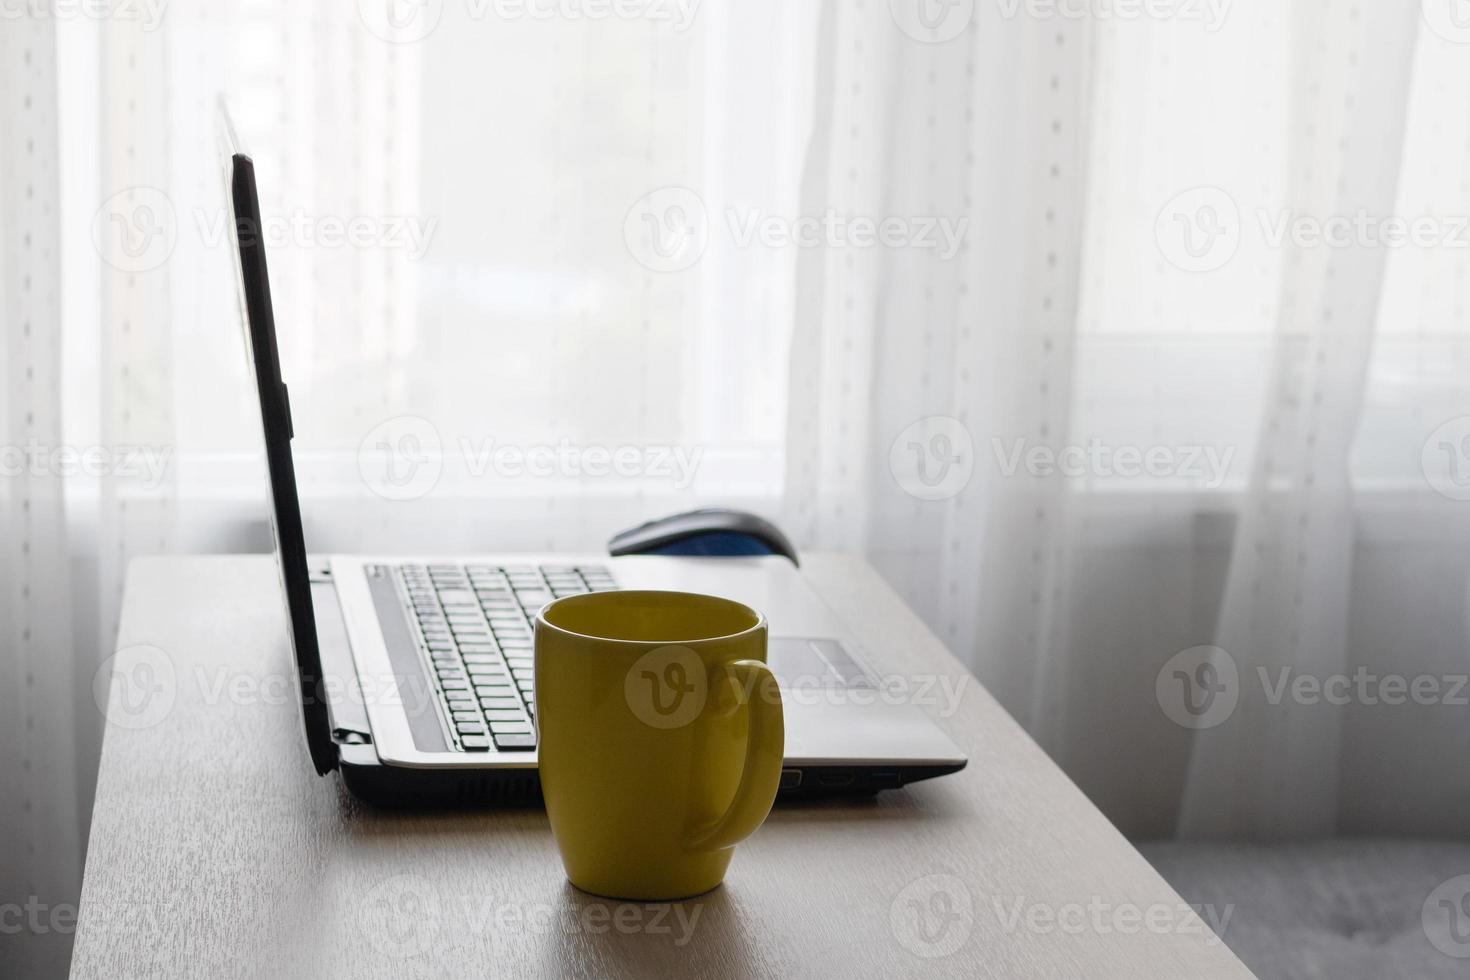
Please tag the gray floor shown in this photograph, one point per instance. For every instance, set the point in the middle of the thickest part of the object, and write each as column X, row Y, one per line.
column 1342, row 909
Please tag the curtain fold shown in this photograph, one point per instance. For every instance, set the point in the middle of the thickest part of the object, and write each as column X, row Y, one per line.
column 915, row 368
column 41, row 826
column 1274, row 769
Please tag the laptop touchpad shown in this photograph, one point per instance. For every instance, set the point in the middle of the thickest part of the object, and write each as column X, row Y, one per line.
column 800, row 662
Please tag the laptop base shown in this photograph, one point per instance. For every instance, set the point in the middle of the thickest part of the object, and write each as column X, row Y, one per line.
column 403, row 788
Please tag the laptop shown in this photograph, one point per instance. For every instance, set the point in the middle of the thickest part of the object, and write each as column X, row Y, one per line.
column 416, row 674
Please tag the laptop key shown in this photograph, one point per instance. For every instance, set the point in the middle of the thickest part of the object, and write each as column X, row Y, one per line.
column 496, row 715
column 515, row 743
column 518, row 630
column 500, row 704
column 510, row 728
column 475, row 743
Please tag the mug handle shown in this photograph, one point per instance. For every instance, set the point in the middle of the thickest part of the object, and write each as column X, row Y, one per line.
column 765, row 750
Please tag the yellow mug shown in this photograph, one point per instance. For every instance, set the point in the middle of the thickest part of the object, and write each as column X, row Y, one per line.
column 659, row 738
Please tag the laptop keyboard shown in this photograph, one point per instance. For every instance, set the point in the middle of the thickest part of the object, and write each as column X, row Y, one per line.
column 474, row 624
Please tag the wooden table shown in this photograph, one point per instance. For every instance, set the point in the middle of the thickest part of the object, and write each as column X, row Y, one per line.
column 216, row 852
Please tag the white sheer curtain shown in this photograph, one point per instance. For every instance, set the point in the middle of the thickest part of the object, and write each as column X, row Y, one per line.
column 1190, row 243
column 1020, row 300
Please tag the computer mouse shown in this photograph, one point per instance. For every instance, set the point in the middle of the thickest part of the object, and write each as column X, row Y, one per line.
column 714, row 532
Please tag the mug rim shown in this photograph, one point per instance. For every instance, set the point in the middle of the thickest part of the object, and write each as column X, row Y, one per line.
column 581, row 597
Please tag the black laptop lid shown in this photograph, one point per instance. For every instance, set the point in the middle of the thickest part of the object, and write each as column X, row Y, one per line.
column 275, row 417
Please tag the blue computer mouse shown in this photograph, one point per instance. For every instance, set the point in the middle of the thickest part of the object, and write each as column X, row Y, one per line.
column 711, row 532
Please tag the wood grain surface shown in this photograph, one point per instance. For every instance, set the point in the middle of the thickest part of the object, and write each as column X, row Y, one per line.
column 216, row 852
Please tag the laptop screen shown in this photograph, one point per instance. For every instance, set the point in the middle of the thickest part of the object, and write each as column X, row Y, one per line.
column 275, row 416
